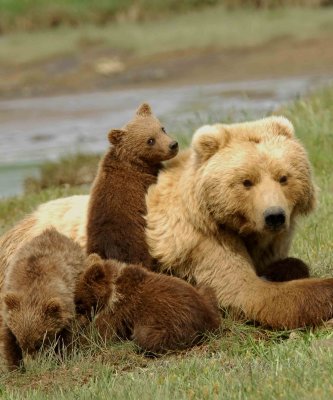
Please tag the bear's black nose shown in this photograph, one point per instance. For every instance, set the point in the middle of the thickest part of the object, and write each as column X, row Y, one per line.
column 275, row 217
column 173, row 145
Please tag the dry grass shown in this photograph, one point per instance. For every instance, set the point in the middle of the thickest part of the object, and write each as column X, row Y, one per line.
column 70, row 171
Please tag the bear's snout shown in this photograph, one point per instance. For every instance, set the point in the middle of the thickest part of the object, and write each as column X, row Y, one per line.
column 173, row 146
column 275, row 217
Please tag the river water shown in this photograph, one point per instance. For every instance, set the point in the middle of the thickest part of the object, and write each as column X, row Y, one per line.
column 39, row 129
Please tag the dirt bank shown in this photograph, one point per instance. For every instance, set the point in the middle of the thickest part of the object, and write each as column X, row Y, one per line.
column 98, row 70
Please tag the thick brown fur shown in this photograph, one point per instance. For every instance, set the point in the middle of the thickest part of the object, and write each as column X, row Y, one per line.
column 38, row 295
column 287, row 270
column 158, row 312
column 205, row 221
column 116, row 225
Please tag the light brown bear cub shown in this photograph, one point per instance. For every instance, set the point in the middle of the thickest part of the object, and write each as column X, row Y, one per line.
column 117, row 205
column 38, row 300
column 157, row 311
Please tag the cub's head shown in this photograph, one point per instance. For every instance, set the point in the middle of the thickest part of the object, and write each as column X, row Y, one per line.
column 253, row 177
column 144, row 139
column 34, row 322
column 94, row 287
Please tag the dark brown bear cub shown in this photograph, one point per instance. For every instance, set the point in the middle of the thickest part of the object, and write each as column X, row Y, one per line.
column 38, row 300
column 116, row 224
column 286, row 269
column 157, row 311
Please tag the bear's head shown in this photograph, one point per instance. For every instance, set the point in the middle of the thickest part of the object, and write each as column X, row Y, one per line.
column 35, row 323
column 94, row 286
column 252, row 177
column 143, row 139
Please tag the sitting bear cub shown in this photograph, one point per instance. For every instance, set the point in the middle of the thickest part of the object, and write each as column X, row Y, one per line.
column 117, row 204
column 38, row 300
column 158, row 312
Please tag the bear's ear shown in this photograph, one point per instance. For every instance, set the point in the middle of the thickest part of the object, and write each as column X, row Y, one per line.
column 144, row 110
column 95, row 271
column 282, row 126
column 309, row 201
column 208, row 139
column 115, row 136
column 52, row 307
column 12, row 301
column 93, row 258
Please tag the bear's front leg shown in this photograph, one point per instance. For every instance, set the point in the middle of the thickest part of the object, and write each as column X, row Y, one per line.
column 152, row 340
column 228, row 268
column 12, row 351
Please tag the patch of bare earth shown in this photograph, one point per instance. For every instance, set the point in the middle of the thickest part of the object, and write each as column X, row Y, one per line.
column 106, row 69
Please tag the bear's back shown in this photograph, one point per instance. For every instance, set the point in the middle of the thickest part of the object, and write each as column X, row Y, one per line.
column 116, row 224
column 166, row 299
column 45, row 261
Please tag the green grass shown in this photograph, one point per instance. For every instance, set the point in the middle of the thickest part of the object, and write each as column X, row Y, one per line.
column 73, row 170
column 180, row 32
column 313, row 120
column 38, row 14
column 243, row 361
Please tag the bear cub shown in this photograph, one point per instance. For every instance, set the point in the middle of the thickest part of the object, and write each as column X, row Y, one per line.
column 157, row 311
column 38, row 295
column 287, row 269
column 116, row 224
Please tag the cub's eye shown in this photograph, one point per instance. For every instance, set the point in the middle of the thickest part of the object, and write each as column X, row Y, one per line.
column 163, row 129
column 283, row 179
column 247, row 183
column 151, row 141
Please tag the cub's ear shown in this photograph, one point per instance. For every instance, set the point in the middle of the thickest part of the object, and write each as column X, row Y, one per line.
column 95, row 270
column 12, row 301
column 93, row 258
column 208, row 139
column 52, row 307
column 115, row 136
column 282, row 126
column 144, row 110
column 95, row 273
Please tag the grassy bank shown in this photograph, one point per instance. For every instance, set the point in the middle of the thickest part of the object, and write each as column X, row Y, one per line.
column 221, row 29
column 30, row 15
column 243, row 362
column 208, row 44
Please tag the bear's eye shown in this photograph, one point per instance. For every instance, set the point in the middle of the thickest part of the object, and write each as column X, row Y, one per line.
column 151, row 141
column 163, row 129
column 247, row 183
column 283, row 179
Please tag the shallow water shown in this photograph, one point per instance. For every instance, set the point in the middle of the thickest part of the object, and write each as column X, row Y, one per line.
column 39, row 129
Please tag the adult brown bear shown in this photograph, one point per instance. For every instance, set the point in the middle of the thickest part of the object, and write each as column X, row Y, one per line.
column 219, row 214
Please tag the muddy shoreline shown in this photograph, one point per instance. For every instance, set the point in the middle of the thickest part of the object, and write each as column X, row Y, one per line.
column 107, row 70
column 39, row 129
column 66, row 105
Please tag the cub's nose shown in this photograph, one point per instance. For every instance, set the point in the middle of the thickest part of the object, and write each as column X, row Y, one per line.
column 173, row 145
column 275, row 217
